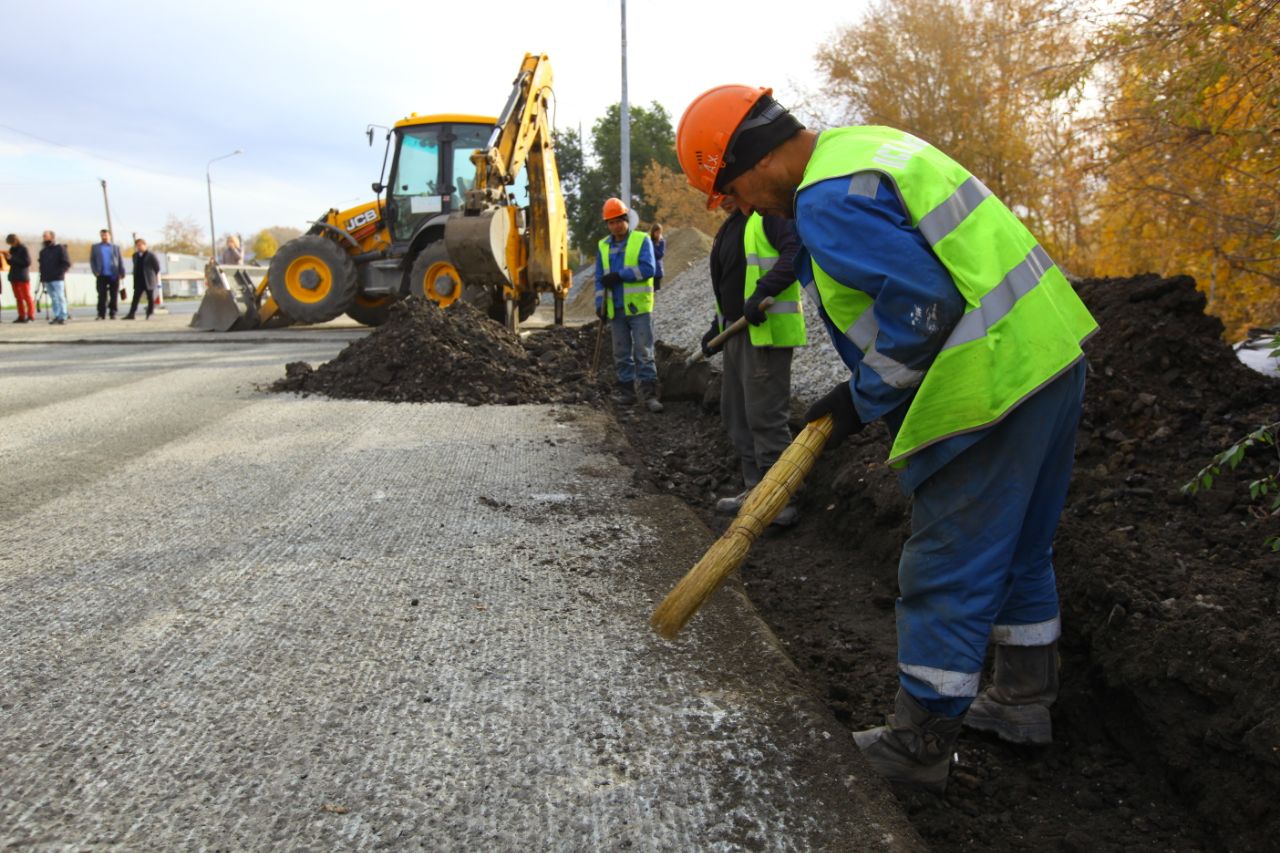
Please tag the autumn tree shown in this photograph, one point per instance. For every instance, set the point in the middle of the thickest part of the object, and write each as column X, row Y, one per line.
column 977, row 79
column 1191, row 117
column 264, row 245
column 182, row 236
column 675, row 203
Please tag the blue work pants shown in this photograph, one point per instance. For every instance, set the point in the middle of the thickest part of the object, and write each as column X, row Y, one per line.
column 980, row 555
column 633, row 347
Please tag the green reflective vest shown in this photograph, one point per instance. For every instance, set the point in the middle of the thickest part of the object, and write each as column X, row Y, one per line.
column 637, row 296
column 784, row 319
column 1023, row 323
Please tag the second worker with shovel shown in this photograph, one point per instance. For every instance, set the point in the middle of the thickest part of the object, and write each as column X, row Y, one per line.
column 751, row 260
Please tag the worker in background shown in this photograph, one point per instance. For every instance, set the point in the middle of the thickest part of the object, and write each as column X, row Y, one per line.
column 751, row 260
column 964, row 337
column 625, row 268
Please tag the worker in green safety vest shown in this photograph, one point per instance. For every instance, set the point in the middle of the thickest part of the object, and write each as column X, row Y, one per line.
column 625, row 267
column 751, row 260
column 964, row 337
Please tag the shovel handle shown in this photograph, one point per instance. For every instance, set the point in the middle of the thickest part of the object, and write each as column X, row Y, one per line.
column 724, row 556
column 736, row 326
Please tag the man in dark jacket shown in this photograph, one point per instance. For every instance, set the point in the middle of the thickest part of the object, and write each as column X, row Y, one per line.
column 20, row 278
column 146, row 278
column 752, row 259
column 54, row 263
column 107, row 264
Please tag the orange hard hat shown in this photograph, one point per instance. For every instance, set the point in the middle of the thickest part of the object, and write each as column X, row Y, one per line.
column 613, row 208
column 705, row 131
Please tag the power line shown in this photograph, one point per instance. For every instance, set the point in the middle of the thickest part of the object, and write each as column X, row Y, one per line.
column 103, row 157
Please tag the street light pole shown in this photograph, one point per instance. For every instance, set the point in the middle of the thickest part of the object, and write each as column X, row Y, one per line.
column 213, row 235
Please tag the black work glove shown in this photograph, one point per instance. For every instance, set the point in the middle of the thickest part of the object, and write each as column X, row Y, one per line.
column 707, row 349
column 752, row 311
column 839, row 404
column 611, row 279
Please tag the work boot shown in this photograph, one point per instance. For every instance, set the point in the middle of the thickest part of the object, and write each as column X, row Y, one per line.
column 914, row 748
column 649, row 394
column 787, row 517
column 625, row 393
column 1015, row 707
column 730, row 506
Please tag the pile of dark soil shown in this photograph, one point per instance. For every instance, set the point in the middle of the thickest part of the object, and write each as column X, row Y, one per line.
column 425, row 354
column 1167, row 732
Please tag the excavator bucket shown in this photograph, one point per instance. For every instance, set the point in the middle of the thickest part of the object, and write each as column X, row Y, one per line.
column 226, row 307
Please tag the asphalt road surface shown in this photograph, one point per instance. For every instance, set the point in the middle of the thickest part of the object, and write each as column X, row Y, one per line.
column 239, row 620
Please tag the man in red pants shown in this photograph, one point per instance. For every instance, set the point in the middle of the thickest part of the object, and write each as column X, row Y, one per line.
column 20, row 278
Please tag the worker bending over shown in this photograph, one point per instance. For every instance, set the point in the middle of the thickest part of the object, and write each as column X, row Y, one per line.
column 751, row 260
column 625, row 268
column 964, row 337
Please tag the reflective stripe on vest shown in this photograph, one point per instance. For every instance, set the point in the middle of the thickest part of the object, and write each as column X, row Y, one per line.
column 637, row 295
column 784, row 319
column 1023, row 322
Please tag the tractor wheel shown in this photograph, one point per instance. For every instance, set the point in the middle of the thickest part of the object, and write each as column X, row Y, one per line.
column 312, row 279
column 433, row 276
column 370, row 312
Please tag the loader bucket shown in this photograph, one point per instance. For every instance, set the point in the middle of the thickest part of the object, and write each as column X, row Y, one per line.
column 226, row 307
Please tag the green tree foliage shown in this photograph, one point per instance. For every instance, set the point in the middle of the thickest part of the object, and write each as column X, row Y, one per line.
column 182, row 236
column 589, row 180
column 975, row 78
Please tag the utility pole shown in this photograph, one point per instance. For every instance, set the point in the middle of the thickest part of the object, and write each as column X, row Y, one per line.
column 107, row 204
column 626, row 118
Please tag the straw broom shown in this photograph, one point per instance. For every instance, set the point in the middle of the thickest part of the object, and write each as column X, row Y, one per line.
column 764, row 503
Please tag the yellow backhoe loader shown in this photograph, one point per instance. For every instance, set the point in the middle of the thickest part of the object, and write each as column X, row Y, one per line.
column 473, row 210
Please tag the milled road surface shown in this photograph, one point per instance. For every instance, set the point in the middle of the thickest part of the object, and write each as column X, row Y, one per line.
column 237, row 620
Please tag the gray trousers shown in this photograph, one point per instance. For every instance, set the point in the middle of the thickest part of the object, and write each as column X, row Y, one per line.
column 755, row 402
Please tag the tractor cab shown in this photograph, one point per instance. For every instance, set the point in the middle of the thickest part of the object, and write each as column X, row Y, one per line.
column 432, row 169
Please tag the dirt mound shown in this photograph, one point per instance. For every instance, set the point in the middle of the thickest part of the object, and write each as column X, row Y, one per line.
column 425, row 354
column 685, row 247
column 1167, row 733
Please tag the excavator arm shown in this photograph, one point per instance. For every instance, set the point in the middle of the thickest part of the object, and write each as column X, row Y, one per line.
column 522, row 251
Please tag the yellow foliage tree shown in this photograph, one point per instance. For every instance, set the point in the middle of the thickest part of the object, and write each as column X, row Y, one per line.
column 675, row 203
column 264, row 245
column 1192, row 122
column 975, row 78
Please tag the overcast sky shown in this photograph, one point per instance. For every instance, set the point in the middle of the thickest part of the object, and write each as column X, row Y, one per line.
column 144, row 94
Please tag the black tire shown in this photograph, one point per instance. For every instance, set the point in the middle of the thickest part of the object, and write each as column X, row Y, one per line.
column 312, row 279
column 370, row 312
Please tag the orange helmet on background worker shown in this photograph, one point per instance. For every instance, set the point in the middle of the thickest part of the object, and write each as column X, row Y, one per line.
column 613, row 208
column 725, row 131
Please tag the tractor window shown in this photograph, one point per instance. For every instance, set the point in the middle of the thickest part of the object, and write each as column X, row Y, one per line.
column 415, row 187
column 469, row 137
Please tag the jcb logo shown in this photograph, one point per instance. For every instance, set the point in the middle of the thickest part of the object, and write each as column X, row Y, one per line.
column 356, row 221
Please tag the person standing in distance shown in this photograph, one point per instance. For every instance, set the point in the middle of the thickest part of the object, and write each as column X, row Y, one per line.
column 964, row 337
column 54, row 263
column 20, row 278
column 107, row 265
column 146, row 278
column 624, row 296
